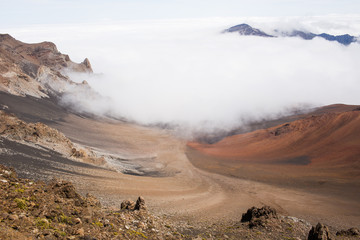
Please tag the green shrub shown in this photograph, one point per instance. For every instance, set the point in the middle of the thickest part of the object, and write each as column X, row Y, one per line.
column 21, row 203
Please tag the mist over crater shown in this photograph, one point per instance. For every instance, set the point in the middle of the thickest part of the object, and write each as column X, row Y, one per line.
column 185, row 72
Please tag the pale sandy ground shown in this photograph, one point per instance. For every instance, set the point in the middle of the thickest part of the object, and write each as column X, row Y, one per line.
column 185, row 192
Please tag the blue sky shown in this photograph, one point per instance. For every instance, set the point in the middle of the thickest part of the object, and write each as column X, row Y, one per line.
column 25, row 12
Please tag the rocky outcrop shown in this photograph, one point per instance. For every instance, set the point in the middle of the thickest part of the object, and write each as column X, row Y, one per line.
column 35, row 69
column 319, row 232
column 140, row 204
column 127, row 205
column 132, row 206
column 39, row 134
column 259, row 216
column 15, row 129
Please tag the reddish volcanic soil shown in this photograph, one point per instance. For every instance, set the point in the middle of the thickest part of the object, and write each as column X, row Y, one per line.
column 331, row 138
column 318, row 154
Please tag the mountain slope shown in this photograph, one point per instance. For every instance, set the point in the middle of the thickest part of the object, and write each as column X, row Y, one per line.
column 328, row 138
column 35, row 69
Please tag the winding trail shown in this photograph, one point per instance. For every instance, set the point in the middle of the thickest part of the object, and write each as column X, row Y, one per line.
column 184, row 192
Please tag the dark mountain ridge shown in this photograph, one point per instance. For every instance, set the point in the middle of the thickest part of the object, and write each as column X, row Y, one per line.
column 246, row 30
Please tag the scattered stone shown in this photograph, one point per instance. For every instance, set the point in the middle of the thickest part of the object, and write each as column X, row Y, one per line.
column 77, row 221
column 47, row 232
column 319, row 232
column 80, row 232
column 349, row 232
column 50, row 212
column 92, row 201
column 13, row 217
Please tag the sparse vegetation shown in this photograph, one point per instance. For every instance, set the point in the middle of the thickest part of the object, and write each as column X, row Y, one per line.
column 43, row 223
column 132, row 232
column 99, row 224
column 65, row 219
column 21, row 203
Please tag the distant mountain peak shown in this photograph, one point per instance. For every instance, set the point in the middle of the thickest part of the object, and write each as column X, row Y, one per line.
column 246, row 30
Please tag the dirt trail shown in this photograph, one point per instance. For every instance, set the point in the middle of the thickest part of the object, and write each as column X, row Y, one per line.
column 185, row 192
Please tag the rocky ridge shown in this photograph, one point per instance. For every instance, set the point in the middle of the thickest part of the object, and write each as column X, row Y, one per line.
column 37, row 70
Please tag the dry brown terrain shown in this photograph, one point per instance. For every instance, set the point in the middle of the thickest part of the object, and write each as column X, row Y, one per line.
column 319, row 154
column 187, row 192
column 307, row 168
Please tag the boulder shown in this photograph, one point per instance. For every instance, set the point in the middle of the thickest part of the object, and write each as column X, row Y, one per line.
column 319, row 232
column 128, row 205
column 140, row 204
column 259, row 216
column 66, row 190
column 132, row 206
column 254, row 213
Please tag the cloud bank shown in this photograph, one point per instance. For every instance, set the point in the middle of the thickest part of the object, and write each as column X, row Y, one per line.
column 187, row 72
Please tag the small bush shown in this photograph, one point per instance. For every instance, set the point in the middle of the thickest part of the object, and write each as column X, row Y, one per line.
column 65, row 219
column 42, row 223
column 21, row 203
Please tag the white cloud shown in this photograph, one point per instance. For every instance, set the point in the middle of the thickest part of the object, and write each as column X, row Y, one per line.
column 186, row 71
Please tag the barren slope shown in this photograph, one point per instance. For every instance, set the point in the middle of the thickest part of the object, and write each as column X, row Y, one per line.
column 331, row 138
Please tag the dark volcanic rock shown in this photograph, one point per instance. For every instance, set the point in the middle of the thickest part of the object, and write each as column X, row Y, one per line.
column 320, row 232
column 140, row 204
column 127, row 205
column 64, row 189
column 348, row 233
column 259, row 216
column 132, row 206
column 254, row 212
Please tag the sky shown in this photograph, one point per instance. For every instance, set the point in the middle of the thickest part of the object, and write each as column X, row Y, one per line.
column 167, row 61
column 28, row 12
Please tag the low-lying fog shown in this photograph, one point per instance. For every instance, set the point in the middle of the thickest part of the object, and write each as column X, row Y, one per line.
column 186, row 71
